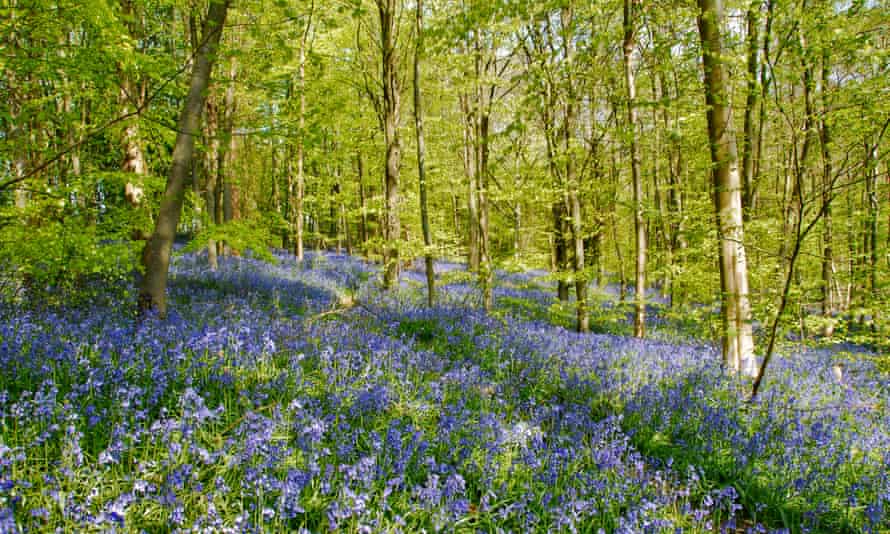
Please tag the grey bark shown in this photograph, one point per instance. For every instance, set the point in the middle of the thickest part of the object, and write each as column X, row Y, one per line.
column 391, row 104
column 827, row 184
column 639, row 223
column 753, row 93
column 421, row 164
column 152, row 293
column 738, row 342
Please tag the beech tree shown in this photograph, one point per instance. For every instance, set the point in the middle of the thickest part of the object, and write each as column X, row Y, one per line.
column 738, row 341
column 152, row 292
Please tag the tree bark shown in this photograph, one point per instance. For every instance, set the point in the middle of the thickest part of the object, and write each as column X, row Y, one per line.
column 421, row 153
column 738, row 342
column 472, row 187
column 391, row 104
column 764, row 89
column 639, row 223
column 827, row 184
column 226, row 151
column 753, row 92
column 362, row 197
column 211, row 159
column 132, row 95
column 560, row 249
column 152, row 293
column 582, row 323
column 301, row 121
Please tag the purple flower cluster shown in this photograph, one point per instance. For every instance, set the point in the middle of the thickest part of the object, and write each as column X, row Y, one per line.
column 249, row 409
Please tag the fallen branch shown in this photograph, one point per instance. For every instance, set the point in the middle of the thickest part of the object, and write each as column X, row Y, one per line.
column 346, row 303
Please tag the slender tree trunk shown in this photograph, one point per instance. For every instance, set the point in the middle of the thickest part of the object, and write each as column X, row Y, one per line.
column 753, row 92
column 152, row 293
column 391, row 99
column 517, row 231
column 571, row 177
column 455, row 216
column 738, row 342
column 301, row 122
column 663, row 226
column 764, row 90
column 421, row 153
column 486, row 274
column 613, row 219
column 630, row 7
column 273, row 172
column 363, row 202
column 227, row 150
column 211, row 159
column 472, row 187
column 560, row 248
column 827, row 184
column 131, row 99
column 871, row 187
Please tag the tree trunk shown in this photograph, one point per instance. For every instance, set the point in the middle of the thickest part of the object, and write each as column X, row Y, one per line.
column 582, row 319
column 486, row 274
column 226, row 155
column 152, row 293
column 738, row 342
column 470, row 168
column 391, row 99
column 211, row 158
column 362, row 197
column 517, row 231
column 301, row 122
column 132, row 97
column 871, row 232
column 421, row 170
column 560, row 249
column 639, row 223
column 764, row 90
column 753, row 92
column 827, row 184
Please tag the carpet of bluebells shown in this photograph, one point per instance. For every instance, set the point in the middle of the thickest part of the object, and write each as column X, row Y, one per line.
column 285, row 397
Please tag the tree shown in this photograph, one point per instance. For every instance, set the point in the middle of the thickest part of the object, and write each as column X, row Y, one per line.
column 391, row 102
column 421, row 154
column 630, row 8
column 152, row 293
column 738, row 341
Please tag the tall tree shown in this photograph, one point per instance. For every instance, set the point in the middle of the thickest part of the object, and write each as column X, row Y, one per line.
column 738, row 341
column 630, row 8
column 753, row 93
column 152, row 293
column 391, row 82
column 421, row 155
column 297, row 196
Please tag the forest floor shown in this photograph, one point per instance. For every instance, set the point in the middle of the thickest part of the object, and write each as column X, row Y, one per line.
column 279, row 396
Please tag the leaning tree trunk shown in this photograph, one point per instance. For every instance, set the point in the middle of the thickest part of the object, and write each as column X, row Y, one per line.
column 738, row 341
column 152, row 293
column 639, row 223
column 421, row 170
column 391, row 98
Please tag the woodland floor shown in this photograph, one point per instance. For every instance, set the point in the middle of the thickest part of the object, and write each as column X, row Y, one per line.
column 280, row 396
